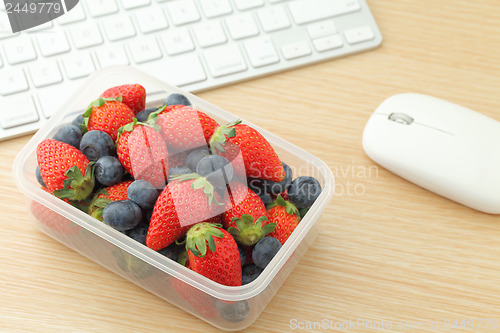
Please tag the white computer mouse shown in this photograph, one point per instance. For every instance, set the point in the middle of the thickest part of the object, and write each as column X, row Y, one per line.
column 441, row 146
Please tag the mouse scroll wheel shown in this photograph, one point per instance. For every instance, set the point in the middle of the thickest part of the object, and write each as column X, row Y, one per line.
column 401, row 118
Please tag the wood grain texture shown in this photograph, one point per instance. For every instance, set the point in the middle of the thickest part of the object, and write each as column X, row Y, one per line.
column 389, row 250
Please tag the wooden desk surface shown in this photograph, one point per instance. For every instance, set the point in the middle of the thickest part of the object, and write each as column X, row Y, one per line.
column 390, row 250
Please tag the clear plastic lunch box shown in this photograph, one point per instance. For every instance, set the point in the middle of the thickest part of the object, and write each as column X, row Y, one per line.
column 143, row 266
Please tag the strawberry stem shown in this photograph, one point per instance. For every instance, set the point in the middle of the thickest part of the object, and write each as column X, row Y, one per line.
column 76, row 186
column 199, row 235
column 249, row 233
column 220, row 136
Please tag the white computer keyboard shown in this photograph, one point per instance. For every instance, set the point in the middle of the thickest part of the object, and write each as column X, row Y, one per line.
column 195, row 44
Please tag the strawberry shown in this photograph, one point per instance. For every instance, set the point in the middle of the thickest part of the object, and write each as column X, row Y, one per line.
column 106, row 195
column 186, row 200
column 133, row 95
column 184, row 128
column 245, row 215
column 143, row 153
column 66, row 172
column 220, row 262
column 107, row 115
column 199, row 302
column 286, row 216
column 259, row 158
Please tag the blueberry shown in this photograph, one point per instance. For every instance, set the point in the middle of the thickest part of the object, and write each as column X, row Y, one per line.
column 217, row 169
column 96, row 144
column 78, row 121
column 265, row 250
column 250, row 272
column 304, row 191
column 256, row 185
column 194, row 157
column 122, row 214
column 177, row 99
column 39, row 177
column 233, row 311
column 139, row 232
column 278, row 187
column 178, row 170
column 142, row 193
column 144, row 114
column 170, row 251
column 69, row 134
column 243, row 254
column 108, row 170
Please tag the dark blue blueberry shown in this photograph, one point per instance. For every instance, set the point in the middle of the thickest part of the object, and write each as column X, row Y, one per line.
column 250, row 272
column 177, row 99
column 39, row 177
column 69, row 134
column 265, row 250
column 256, row 185
column 142, row 193
column 178, row 170
column 243, row 254
column 278, row 187
column 304, row 191
column 108, row 170
column 96, row 144
column 170, row 251
column 144, row 114
column 217, row 169
column 122, row 215
column 139, row 232
column 78, row 121
column 233, row 312
column 194, row 157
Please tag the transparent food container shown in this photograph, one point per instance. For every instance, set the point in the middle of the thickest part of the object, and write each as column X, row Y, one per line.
column 228, row 308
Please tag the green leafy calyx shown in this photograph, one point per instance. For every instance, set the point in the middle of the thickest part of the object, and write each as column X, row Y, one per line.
column 249, row 233
column 200, row 235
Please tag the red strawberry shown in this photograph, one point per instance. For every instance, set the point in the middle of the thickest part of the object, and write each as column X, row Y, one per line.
column 143, row 153
column 245, row 215
column 105, row 196
column 259, row 158
column 286, row 216
column 220, row 262
column 65, row 170
column 185, row 128
column 198, row 301
column 187, row 200
column 133, row 95
column 107, row 115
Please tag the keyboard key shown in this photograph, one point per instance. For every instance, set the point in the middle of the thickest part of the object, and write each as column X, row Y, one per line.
column 225, row 60
column 181, row 70
column 130, row 4
column 75, row 15
column 111, row 55
column 273, row 18
column 177, row 41
column 261, row 52
column 86, row 35
column 16, row 111
column 1, row 63
column 214, row 8
column 78, row 65
column 12, row 81
column 209, row 33
column 183, row 11
column 305, row 11
column 150, row 19
column 19, row 50
column 45, row 73
column 358, row 35
column 296, row 50
column 50, row 97
column 5, row 28
column 144, row 50
column 53, row 43
column 118, row 27
column 242, row 26
column 99, row 8
column 321, row 29
column 248, row 4
column 40, row 27
column 328, row 43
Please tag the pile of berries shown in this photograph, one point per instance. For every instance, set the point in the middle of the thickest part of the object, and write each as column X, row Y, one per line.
column 215, row 198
